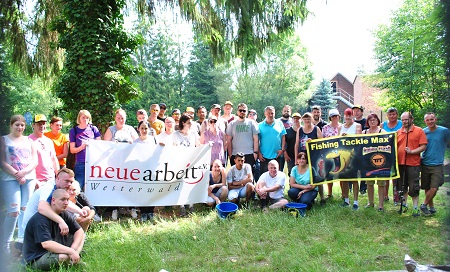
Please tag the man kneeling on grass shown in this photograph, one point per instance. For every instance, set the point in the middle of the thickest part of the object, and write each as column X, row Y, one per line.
column 44, row 247
column 270, row 187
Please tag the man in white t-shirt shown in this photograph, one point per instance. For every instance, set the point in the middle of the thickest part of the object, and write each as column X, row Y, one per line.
column 270, row 187
column 240, row 180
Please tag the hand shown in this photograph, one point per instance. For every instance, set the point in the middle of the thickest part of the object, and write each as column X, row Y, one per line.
column 218, row 201
column 287, row 158
column 84, row 213
column 279, row 153
column 408, row 150
column 64, row 228
column 22, row 181
column 162, row 144
column 74, row 257
column 260, row 157
column 300, row 194
column 19, row 175
column 344, row 134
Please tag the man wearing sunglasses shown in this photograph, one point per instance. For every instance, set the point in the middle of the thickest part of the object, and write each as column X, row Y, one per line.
column 162, row 112
column 155, row 123
column 242, row 137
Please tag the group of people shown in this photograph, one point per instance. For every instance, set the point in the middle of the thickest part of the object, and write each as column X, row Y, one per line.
column 34, row 168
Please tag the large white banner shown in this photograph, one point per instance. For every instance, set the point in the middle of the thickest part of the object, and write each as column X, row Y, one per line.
column 122, row 174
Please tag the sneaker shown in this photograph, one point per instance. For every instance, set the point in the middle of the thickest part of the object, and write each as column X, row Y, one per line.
column 144, row 217
column 265, row 210
column 432, row 210
column 151, row 217
column 369, row 206
column 380, row 209
column 395, row 203
column 97, row 218
column 133, row 213
column 322, row 202
column 355, row 207
column 182, row 211
column 425, row 210
column 416, row 212
column 405, row 207
column 345, row 204
column 115, row 215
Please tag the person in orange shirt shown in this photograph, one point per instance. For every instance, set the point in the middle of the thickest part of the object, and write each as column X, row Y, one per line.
column 60, row 140
column 411, row 141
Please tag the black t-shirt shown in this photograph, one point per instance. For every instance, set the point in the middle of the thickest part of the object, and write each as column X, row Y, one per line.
column 290, row 142
column 40, row 229
column 362, row 122
column 321, row 124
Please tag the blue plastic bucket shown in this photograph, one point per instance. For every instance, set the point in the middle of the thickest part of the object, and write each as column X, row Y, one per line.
column 296, row 209
column 226, row 209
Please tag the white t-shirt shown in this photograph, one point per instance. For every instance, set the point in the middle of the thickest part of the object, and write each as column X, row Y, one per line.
column 40, row 194
column 237, row 175
column 279, row 179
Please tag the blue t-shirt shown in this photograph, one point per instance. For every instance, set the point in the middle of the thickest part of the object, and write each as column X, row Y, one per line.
column 302, row 179
column 394, row 129
column 270, row 138
column 437, row 141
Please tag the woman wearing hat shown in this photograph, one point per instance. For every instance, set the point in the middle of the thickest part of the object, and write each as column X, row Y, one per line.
column 331, row 130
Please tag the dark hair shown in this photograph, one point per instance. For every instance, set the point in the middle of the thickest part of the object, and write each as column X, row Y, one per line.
column 143, row 122
column 392, row 110
column 55, row 119
column 16, row 118
column 372, row 115
column 239, row 155
column 183, row 119
column 201, row 107
column 302, row 154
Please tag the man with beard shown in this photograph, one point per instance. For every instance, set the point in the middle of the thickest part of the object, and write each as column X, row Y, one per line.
column 411, row 141
column 242, row 137
column 317, row 117
column 287, row 122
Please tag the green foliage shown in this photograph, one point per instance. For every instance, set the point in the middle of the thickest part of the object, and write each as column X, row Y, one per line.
column 415, row 83
column 98, row 65
column 322, row 96
column 281, row 77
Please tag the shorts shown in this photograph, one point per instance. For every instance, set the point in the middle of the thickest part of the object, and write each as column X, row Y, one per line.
column 379, row 182
column 238, row 193
column 47, row 262
column 432, row 176
column 409, row 179
column 274, row 200
column 210, row 199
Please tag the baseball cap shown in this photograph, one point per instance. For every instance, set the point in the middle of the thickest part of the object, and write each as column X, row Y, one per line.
column 175, row 111
column 252, row 111
column 215, row 106
column 190, row 109
column 358, row 107
column 307, row 115
column 333, row 112
column 141, row 111
column 228, row 103
column 39, row 118
column 296, row 115
column 162, row 105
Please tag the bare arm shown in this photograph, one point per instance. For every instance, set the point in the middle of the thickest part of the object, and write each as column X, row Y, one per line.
column 296, row 145
column 229, row 147
column 46, row 210
column 65, row 152
column 58, row 248
column 108, row 135
column 358, row 128
column 74, row 149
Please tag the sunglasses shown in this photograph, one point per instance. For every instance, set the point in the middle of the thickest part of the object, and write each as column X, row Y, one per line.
column 242, row 110
column 213, row 121
column 175, row 114
column 155, row 110
column 162, row 108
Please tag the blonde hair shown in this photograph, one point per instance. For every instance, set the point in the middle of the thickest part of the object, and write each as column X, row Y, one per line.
column 76, row 186
column 85, row 113
column 121, row 111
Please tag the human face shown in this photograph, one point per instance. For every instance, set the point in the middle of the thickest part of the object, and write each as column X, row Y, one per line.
column 316, row 114
column 357, row 113
column 56, row 127
column 169, row 122
column 216, row 166
column 215, row 111
column 227, row 108
column 64, row 180
column 39, row 128
column 61, row 202
column 154, row 111
column 18, row 127
column 252, row 116
column 335, row 118
column 239, row 162
column 72, row 192
column 348, row 119
column 301, row 161
column 84, row 120
column 430, row 121
column 162, row 110
column 176, row 116
column 296, row 120
column 201, row 113
column 406, row 120
column 120, row 119
column 286, row 112
column 142, row 117
column 273, row 169
column 307, row 121
column 269, row 114
column 373, row 122
column 143, row 129
column 392, row 116
column 242, row 112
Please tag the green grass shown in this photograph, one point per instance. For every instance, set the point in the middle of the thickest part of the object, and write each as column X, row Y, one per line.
column 329, row 238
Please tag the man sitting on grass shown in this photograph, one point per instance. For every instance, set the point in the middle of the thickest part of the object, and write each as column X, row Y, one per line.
column 270, row 187
column 44, row 247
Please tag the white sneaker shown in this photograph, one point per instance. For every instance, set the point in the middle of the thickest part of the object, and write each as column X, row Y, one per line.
column 134, row 214
column 115, row 215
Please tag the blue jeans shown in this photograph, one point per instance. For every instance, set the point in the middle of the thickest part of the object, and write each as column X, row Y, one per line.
column 16, row 197
column 306, row 198
column 79, row 173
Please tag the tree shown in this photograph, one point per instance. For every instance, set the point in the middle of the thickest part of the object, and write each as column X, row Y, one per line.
column 411, row 59
column 201, row 83
column 98, row 65
column 322, row 96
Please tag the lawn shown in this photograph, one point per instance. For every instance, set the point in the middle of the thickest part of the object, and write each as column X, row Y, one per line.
column 329, row 238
